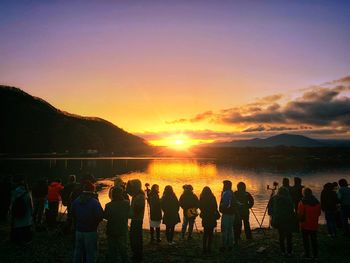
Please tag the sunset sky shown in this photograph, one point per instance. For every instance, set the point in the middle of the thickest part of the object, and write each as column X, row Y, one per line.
column 186, row 70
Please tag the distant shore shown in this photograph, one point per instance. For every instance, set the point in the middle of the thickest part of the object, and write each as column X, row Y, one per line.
column 54, row 246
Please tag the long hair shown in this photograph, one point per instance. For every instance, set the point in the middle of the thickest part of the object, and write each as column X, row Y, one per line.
column 168, row 191
column 206, row 193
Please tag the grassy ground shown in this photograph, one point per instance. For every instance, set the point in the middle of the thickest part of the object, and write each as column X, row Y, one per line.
column 50, row 246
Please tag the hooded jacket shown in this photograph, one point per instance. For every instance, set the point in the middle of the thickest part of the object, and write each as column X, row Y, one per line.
column 54, row 192
column 87, row 212
column 309, row 209
column 27, row 219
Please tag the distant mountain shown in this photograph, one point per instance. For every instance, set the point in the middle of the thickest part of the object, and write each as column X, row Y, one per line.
column 30, row 125
column 277, row 140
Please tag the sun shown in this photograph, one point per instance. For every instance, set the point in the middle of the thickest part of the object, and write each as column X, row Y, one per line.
column 179, row 142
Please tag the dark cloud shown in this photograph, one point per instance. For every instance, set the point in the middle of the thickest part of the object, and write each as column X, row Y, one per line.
column 320, row 110
column 319, row 107
column 260, row 128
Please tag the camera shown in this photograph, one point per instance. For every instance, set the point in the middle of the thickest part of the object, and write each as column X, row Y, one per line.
column 275, row 185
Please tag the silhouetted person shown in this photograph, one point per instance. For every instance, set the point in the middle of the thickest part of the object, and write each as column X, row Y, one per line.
column 283, row 219
column 54, row 198
column 228, row 208
column 21, row 212
column 285, row 184
column 209, row 214
column 189, row 203
column 245, row 201
column 170, row 206
column 155, row 212
column 87, row 213
column 297, row 192
column 88, row 182
column 39, row 194
column 309, row 210
column 66, row 194
column 329, row 201
column 118, row 182
column 344, row 197
column 5, row 196
column 117, row 213
column 134, row 189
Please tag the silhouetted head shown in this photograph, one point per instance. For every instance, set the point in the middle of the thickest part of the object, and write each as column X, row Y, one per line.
column 307, row 192
column 241, row 187
column 206, row 192
column 168, row 191
column 343, row 183
column 328, row 187
column 227, row 185
column 134, row 187
column 297, row 181
column 155, row 188
column 119, row 182
column 285, row 182
column 72, row 178
column 187, row 187
column 117, row 193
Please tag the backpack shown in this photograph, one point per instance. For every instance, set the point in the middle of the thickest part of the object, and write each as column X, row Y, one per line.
column 19, row 207
column 191, row 212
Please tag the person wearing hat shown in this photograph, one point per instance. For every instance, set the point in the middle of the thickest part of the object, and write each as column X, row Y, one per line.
column 189, row 203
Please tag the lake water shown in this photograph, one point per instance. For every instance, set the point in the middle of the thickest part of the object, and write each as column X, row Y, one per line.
column 177, row 172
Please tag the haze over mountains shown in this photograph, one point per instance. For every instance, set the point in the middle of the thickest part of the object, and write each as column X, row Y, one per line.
column 289, row 140
column 30, row 125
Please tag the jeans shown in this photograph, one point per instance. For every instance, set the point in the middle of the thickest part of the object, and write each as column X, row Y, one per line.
column 238, row 227
column 136, row 239
column 190, row 223
column 169, row 232
column 52, row 213
column 208, row 238
column 117, row 249
column 331, row 222
column 307, row 236
column 227, row 222
column 285, row 236
column 85, row 247
column 38, row 209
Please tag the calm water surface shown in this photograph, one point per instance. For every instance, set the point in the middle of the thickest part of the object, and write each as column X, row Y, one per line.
column 177, row 172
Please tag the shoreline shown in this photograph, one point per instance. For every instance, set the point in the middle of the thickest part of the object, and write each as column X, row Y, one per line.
column 54, row 246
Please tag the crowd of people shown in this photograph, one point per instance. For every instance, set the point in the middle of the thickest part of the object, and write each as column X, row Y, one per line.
column 292, row 209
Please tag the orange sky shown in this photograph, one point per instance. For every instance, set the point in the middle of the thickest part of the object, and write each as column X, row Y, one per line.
column 143, row 65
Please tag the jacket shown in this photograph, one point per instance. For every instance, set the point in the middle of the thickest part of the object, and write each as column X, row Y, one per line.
column 344, row 196
column 188, row 200
column 283, row 216
column 155, row 208
column 54, row 192
column 329, row 200
column 87, row 212
column 27, row 219
column 245, row 201
column 117, row 213
column 209, row 211
column 309, row 210
column 170, row 206
column 228, row 203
